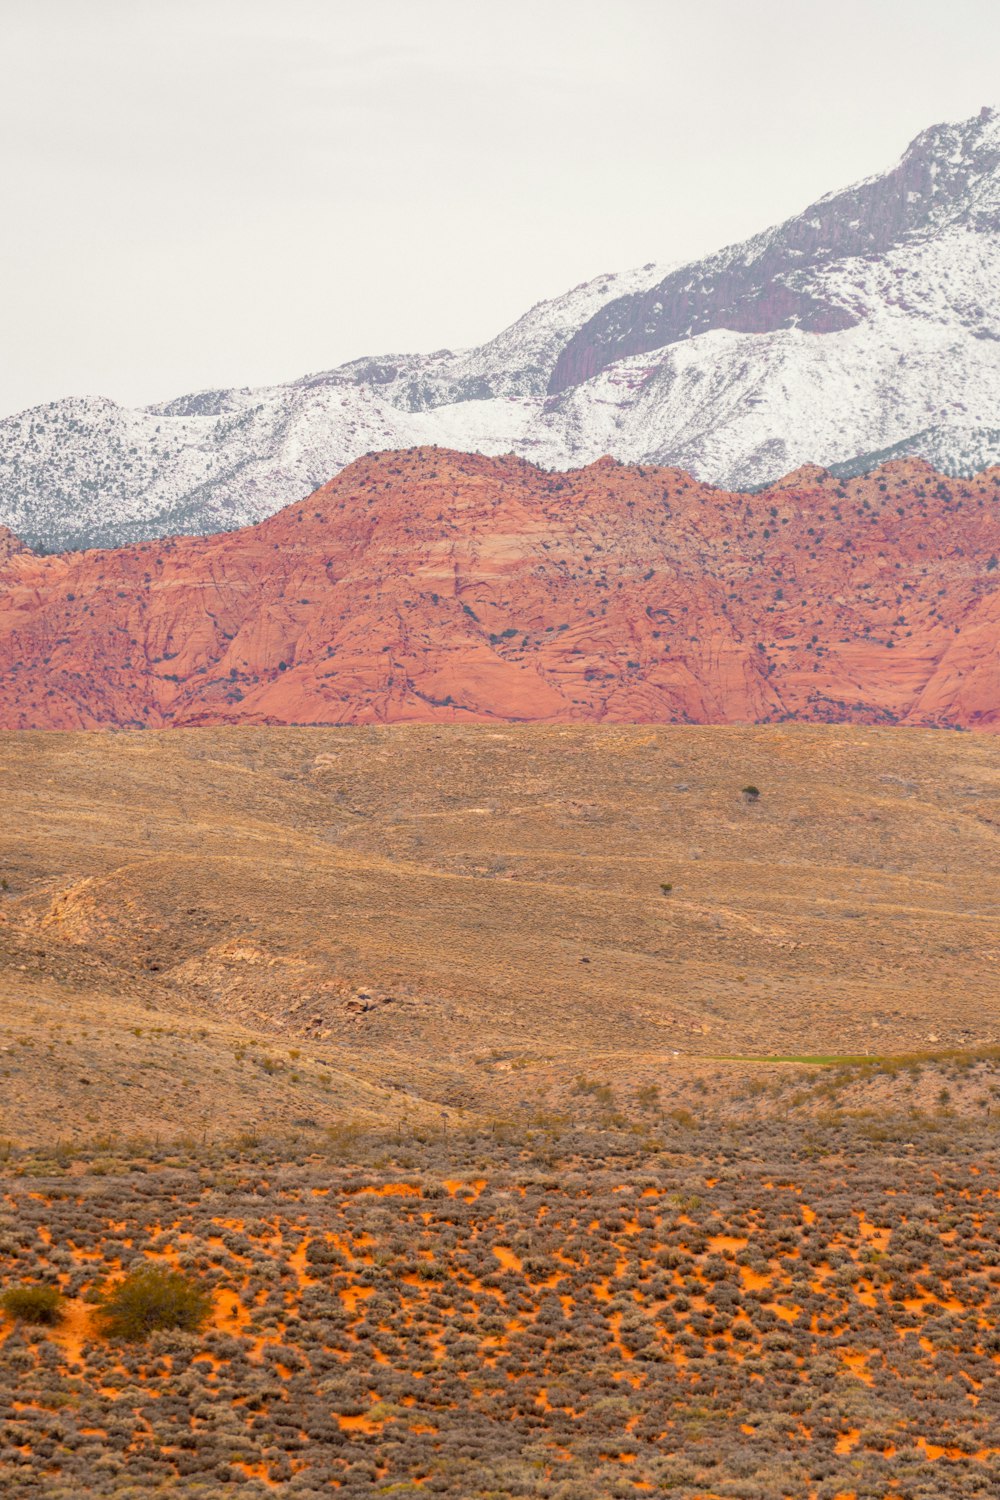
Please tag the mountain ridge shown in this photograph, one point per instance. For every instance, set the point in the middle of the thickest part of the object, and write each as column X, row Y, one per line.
column 757, row 283
column 865, row 325
column 432, row 586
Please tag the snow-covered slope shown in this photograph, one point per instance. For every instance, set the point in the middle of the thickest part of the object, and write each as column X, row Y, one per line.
column 804, row 273
column 956, row 450
column 871, row 322
column 87, row 472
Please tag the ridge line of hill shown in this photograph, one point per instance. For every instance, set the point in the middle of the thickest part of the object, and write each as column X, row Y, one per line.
column 429, row 584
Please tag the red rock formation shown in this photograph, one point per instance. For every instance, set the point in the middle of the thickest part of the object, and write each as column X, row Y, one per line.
column 437, row 585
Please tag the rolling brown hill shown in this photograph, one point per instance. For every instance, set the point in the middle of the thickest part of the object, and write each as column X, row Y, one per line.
column 248, row 925
column 431, row 585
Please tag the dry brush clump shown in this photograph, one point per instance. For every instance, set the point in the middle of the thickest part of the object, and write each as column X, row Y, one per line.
column 152, row 1300
column 40, row 1305
column 796, row 1311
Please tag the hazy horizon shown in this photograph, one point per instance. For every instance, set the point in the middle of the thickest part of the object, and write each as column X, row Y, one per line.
column 231, row 194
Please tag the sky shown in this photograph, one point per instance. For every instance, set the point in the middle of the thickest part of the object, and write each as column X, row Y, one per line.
column 202, row 193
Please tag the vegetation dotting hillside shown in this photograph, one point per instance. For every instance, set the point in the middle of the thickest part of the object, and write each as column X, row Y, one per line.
column 562, row 1309
column 253, row 928
column 437, row 586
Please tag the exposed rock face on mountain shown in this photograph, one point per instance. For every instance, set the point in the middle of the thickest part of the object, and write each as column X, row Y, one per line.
column 868, row 323
column 430, row 585
column 806, row 273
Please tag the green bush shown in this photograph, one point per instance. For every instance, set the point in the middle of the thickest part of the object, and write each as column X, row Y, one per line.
column 151, row 1299
column 32, row 1304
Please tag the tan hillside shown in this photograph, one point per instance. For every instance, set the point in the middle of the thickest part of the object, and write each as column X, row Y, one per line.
column 241, row 926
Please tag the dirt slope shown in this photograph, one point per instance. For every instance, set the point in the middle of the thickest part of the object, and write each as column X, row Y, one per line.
column 431, row 585
column 469, row 918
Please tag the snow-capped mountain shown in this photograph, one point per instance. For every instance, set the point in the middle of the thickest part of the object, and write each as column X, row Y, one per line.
column 867, row 325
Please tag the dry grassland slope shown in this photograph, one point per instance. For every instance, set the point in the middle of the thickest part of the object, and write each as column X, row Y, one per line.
column 240, row 926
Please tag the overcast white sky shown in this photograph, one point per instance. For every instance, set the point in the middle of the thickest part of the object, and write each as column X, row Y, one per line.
column 230, row 192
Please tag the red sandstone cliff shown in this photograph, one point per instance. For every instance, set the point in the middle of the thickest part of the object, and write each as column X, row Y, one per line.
column 436, row 585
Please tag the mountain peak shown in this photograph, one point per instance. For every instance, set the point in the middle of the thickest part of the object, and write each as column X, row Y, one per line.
column 949, row 174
